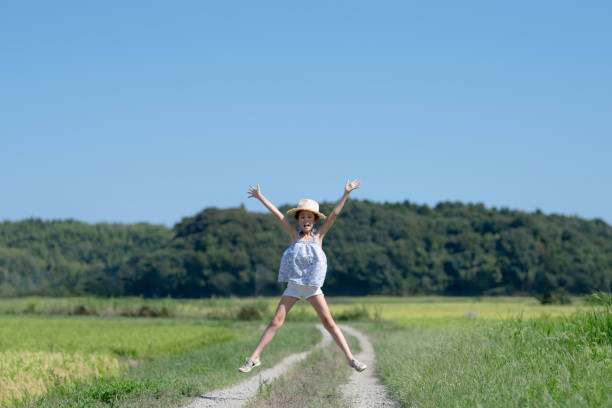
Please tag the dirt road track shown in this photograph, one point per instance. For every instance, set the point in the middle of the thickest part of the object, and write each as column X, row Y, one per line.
column 363, row 389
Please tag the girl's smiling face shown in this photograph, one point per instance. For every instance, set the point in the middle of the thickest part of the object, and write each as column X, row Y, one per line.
column 306, row 220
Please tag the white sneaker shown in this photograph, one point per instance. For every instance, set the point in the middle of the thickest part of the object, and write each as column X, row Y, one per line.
column 249, row 365
column 357, row 365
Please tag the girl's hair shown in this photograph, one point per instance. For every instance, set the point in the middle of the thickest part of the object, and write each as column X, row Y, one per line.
column 297, row 216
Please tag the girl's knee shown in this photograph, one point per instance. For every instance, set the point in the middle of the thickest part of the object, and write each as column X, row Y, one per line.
column 328, row 323
column 276, row 322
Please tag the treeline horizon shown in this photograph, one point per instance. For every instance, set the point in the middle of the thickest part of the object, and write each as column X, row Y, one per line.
column 373, row 249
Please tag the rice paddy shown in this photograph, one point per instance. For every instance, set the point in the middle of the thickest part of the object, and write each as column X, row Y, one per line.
column 31, row 373
column 39, row 352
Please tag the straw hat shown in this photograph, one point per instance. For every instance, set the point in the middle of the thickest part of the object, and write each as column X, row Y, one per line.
column 307, row 205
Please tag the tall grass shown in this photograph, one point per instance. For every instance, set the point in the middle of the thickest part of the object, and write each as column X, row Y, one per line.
column 550, row 361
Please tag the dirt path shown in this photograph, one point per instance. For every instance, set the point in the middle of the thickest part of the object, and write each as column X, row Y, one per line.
column 364, row 389
column 237, row 395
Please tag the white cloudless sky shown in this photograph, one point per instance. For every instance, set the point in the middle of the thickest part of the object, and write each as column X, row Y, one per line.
column 151, row 111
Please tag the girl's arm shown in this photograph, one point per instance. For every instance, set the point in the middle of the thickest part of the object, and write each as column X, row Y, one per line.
column 256, row 193
column 332, row 217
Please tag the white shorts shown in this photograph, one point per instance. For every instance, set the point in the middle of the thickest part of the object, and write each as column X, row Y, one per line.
column 301, row 291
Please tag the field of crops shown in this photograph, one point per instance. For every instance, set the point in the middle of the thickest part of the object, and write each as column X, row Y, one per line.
column 143, row 352
column 36, row 352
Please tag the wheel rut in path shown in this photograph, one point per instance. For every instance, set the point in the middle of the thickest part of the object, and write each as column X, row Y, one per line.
column 364, row 390
column 237, row 395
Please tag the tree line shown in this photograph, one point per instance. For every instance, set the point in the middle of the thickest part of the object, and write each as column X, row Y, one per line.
column 373, row 248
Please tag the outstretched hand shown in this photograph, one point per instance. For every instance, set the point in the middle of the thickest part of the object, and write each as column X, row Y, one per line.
column 255, row 192
column 350, row 186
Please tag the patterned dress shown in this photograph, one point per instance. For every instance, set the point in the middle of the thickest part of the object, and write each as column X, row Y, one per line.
column 303, row 263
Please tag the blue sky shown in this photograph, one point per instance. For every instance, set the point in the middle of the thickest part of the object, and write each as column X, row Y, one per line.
column 151, row 111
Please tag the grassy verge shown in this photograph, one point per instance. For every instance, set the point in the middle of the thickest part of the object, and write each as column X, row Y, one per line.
column 168, row 380
column 562, row 361
column 313, row 382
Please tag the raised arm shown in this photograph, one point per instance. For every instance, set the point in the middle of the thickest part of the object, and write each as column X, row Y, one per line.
column 256, row 193
column 332, row 217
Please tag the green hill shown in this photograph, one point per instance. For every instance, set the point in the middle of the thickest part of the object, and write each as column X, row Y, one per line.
column 390, row 248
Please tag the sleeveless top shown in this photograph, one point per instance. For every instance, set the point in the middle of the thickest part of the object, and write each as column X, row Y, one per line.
column 304, row 263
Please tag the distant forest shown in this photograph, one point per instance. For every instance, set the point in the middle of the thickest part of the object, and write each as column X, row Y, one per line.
column 373, row 249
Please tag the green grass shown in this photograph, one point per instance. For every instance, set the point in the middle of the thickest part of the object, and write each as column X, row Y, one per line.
column 549, row 361
column 138, row 338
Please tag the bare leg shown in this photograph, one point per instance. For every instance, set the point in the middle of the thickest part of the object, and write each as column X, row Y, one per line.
column 285, row 304
column 320, row 305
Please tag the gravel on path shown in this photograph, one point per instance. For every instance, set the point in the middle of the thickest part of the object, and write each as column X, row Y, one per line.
column 364, row 390
column 237, row 395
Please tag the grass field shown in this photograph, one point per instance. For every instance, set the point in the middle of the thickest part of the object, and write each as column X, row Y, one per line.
column 432, row 351
column 554, row 360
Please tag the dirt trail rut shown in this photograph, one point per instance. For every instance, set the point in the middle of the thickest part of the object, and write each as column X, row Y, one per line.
column 364, row 390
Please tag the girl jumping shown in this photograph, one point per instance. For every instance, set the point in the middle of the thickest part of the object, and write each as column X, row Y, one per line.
column 303, row 267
